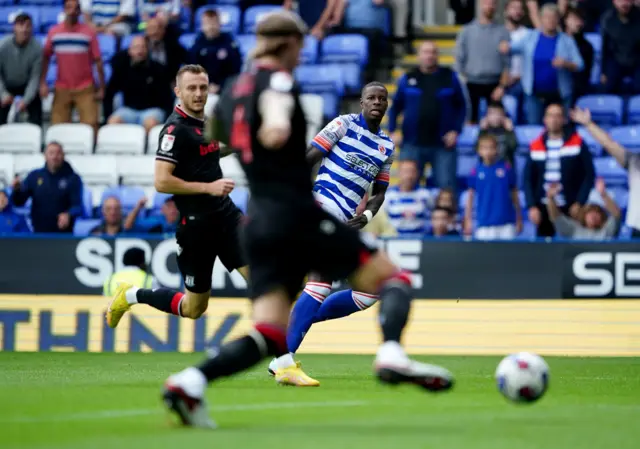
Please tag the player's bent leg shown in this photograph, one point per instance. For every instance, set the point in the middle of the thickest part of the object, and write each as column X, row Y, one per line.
column 344, row 303
column 184, row 392
column 392, row 366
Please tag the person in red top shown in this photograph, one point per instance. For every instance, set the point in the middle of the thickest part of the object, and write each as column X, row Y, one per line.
column 75, row 46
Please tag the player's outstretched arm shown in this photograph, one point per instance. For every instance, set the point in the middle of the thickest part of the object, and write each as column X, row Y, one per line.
column 166, row 182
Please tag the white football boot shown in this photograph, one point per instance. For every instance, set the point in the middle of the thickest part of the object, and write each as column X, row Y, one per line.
column 183, row 395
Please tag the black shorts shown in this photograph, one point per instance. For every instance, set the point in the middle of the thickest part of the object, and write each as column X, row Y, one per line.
column 284, row 244
column 203, row 238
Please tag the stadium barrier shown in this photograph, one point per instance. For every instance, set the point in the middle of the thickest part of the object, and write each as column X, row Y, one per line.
column 547, row 327
column 440, row 269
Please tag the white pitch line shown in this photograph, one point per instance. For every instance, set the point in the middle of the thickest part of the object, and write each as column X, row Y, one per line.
column 111, row 414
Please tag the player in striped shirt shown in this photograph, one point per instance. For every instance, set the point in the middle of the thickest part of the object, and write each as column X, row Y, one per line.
column 355, row 155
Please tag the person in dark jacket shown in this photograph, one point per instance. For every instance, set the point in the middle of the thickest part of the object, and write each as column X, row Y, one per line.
column 574, row 27
column 55, row 191
column 164, row 47
column 559, row 156
column 433, row 103
column 620, row 30
column 144, row 84
column 217, row 52
column 10, row 222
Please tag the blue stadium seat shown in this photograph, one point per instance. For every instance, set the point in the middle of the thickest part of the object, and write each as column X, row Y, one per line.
column 633, row 110
column 107, row 45
column 595, row 40
column 608, row 169
column 49, row 16
column 87, row 201
column 309, row 54
column 229, row 17
column 7, row 2
column 157, row 202
column 8, row 13
column 246, row 42
column 467, row 139
column 253, row 15
column 526, row 134
column 40, row 38
column 320, row 79
column 52, row 73
column 128, row 195
column 627, row 136
column 240, row 197
column 184, row 21
column 40, row 2
column 594, row 147
column 606, row 110
column 465, row 165
column 510, row 104
column 83, row 226
column 228, row 2
column 352, row 76
column 126, row 40
column 330, row 104
column 520, row 163
column 187, row 40
column 345, row 48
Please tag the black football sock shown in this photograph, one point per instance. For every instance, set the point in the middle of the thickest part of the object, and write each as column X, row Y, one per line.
column 245, row 352
column 395, row 305
column 163, row 299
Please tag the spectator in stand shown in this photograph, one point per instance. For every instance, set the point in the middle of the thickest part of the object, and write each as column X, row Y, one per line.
column 464, row 10
column 497, row 124
column 442, row 223
column 534, row 7
column 408, row 203
column 20, row 67
column 592, row 222
column 624, row 157
column 550, row 58
column 620, row 31
column 144, row 84
column 135, row 272
column 446, row 199
column 217, row 52
column 110, row 16
column 515, row 18
column 111, row 218
column 493, row 185
column 55, row 191
column 321, row 15
column 560, row 156
column 10, row 222
column 75, row 46
column 434, row 107
column 574, row 26
column 478, row 60
column 164, row 47
column 165, row 11
column 165, row 223
column 380, row 225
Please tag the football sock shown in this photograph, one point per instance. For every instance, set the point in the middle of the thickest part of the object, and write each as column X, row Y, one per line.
column 264, row 340
column 304, row 312
column 338, row 305
column 395, row 305
column 163, row 299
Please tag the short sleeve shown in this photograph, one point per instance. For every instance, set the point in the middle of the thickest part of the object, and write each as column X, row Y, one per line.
column 95, row 47
column 611, row 227
column 168, row 144
column 330, row 135
column 385, row 170
column 565, row 226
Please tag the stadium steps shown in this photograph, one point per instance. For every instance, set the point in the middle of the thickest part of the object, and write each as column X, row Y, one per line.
column 446, row 47
column 439, row 32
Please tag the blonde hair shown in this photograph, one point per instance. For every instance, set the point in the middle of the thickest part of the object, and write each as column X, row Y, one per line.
column 274, row 33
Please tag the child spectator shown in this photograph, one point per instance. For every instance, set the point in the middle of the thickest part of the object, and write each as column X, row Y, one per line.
column 408, row 203
column 10, row 222
column 442, row 223
column 592, row 222
column 493, row 184
column 497, row 124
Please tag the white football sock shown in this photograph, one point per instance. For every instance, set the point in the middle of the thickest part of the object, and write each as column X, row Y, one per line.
column 191, row 380
column 285, row 361
column 131, row 295
column 391, row 352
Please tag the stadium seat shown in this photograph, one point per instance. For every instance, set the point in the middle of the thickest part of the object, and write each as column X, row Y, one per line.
column 320, row 79
column 246, row 42
column 608, row 169
column 309, row 54
column 20, row 138
column 153, row 138
column 352, row 76
column 6, row 2
column 594, row 147
column 121, row 139
column 87, row 201
column 254, row 14
column 467, row 139
column 187, row 40
column 25, row 163
column 520, row 163
column 128, row 196
column 95, row 170
column 40, row 3
column 83, row 226
column 595, row 40
column 158, row 200
column 126, row 40
column 74, row 137
column 313, row 107
column 627, row 136
column 345, row 48
column 107, row 45
column 633, row 110
column 525, row 134
column 6, row 170
column 229, row 17
column 8, row 14
column 606, row 110
column 240, row 197
column 465, row 165
column 331, row 104
column 231, row 168
column 135, row 170
column 510, row 104
column 50, row 16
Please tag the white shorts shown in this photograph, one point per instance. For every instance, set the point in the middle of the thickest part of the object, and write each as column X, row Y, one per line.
column 504, row 232
column 330, row 206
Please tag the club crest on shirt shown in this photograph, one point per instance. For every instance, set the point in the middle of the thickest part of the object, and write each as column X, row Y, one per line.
column 167, row 142
column 281, row 81
column 62, row 184
column 381, row 149
column 412, row 82
column 222, row 53
column 500, row 173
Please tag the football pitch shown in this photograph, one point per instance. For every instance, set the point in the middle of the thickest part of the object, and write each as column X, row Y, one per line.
column 112, row 401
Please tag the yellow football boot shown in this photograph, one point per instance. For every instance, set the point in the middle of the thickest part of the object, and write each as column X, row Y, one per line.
column 294, row 376
column 118, row 305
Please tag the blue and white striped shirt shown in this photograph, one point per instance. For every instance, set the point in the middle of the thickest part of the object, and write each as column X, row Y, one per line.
column 552, row 172
column 409, row 212
column 355, row 158
column 104, row 11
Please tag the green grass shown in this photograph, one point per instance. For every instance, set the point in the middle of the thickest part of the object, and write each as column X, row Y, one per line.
column 111, row 401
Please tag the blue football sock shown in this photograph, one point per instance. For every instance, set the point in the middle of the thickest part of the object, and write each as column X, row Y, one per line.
column 303, row 313
column 338, row 305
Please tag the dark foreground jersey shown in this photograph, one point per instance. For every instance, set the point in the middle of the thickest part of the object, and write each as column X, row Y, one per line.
column 277, row 174
column 197, row 160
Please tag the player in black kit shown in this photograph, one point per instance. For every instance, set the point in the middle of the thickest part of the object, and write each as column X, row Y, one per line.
column 188, row 166
column 288, row 234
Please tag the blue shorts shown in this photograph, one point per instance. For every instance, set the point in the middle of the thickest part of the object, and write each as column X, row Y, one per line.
column 137, row 117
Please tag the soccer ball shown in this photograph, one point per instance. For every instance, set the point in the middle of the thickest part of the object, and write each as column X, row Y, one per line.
column 523, row 377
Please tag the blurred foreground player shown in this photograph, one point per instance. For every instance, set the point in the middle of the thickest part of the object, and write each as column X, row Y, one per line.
column 188, row 167
column 355, row 154
column 287, row 234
